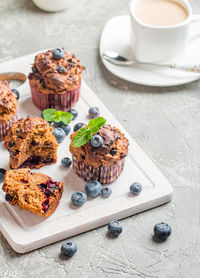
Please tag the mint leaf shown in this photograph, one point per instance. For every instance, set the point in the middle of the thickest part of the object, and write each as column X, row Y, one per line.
column 49, row 114
column 81, row 137
column 95, row 124
column 52, row 115
column 85, row 133
column 64, row 117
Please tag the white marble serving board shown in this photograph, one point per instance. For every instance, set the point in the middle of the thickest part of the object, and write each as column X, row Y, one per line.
column 25, row 231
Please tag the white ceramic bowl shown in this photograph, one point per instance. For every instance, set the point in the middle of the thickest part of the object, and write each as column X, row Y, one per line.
column 52, row 5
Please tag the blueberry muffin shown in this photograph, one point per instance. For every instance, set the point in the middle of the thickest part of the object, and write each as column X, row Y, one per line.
column 55, row 80
column 104, row 163
column 31, row 143
column 35, row 192
column 8, row 108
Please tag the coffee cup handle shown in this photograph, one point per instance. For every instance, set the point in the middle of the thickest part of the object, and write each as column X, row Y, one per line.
column 195, row 17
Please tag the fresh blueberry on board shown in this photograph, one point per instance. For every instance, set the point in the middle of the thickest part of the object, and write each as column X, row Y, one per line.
column 115, row 228
column 16, row 92
column 74, row 112
column 93, row 112
column 162, row 230
column 66, row 162
column 66, row 128
column 58, row 53
column 136, row 188
column 68, row 249
column 2, row 174
column 8, row 197
column 106, row 191
column 78, row 198
column 59, row 134
column 78, row 126
column 93, row 188
column 96, row 141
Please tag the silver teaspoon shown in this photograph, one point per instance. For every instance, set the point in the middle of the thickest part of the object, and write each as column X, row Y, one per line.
column 117, row 59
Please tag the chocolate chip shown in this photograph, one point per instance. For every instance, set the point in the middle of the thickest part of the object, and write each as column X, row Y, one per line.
column 11, row 144
column 113, row 152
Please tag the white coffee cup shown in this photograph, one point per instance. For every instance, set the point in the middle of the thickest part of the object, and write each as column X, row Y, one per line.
column 155, row 44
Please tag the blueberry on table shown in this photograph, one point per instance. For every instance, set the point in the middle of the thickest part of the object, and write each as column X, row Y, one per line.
column 93, row 112
column 106, row 191
column 136, row 188
column 66, row 128
column 162, row 230
column 96, row 141
column 16, row 92
column 68, row 249
column 78, row 126
column 58, row 53
column 74, row 113
column 66, row 162
column 2, row 174
column 78, row 198
column 59, row 134
column 93, row 188
column 115, row 228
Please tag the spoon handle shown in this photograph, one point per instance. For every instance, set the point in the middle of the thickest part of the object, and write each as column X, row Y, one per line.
column 192, row 68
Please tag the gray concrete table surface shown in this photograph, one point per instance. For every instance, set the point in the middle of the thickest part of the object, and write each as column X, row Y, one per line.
column 165, row 122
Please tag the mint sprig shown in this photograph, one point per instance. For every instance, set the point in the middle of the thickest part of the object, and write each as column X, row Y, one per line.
column 53, row 115
column 85, row 133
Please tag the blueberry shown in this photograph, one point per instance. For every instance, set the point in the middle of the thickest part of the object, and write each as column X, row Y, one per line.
column 8, row 197
column 93, row 112
column 106, row 191
column 78, row 126
column 115, row 228
column 11, row 144
column 68, row 249
column 93, row 188
column 66, row 128
column 162, row 230
column 16, row 92
column 113, row 152
column 96, row 141
column 61, row 69
column 136, row 188
column 66, row 162
column 58, row 53
column 78, row 198
column 59, row 134
column 74, row 113
column 2, row 174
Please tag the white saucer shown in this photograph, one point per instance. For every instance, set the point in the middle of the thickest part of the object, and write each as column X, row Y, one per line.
column 115, row 37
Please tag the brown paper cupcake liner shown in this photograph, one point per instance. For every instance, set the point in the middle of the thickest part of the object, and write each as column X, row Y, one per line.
column 62, row 102
column 104, row 174
column 5, row 126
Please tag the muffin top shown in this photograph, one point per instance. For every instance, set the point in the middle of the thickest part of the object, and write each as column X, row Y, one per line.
column 113, row 149
column 52, row 75
column 8, row 101
column 23, row 128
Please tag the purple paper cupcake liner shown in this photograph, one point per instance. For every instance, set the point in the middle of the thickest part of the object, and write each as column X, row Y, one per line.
column 62, row 102
column 104, row 174
column 5, row 126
